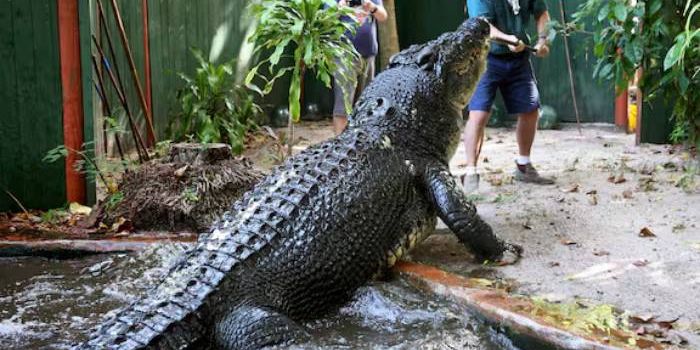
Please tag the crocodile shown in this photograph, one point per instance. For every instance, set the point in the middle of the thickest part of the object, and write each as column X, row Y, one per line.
column 299, row 244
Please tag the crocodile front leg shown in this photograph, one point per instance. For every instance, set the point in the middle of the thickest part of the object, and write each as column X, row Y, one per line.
column 459, row 214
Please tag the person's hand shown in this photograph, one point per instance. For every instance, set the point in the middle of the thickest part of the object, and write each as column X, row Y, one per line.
column 369, row 6
column 515, row 48
column 361, row 14
column 542, row 48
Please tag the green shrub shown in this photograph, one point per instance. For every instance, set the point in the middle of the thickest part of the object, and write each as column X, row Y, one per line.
column 667, row 48
column 213, row 108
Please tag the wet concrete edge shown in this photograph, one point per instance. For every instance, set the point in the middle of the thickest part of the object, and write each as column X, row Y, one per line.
column 69, row 248
column 497, row 308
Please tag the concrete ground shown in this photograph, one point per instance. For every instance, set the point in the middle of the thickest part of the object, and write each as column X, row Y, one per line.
column 581, row 237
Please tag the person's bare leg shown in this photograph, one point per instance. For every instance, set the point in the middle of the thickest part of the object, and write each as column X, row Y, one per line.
column 473, row 133
column 525, row 131
column 339, row 123
column 525, row 134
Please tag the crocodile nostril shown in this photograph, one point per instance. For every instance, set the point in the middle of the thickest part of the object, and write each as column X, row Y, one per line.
column 380, row 102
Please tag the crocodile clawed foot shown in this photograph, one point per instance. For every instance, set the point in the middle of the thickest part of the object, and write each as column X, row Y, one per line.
column 510, row 255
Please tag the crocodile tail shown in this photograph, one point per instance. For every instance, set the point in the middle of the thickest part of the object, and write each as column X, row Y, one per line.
column 170, row 316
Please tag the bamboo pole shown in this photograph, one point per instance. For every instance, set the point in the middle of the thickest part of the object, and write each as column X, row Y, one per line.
column 134, row 73
column 107, row 109
column 140, row 147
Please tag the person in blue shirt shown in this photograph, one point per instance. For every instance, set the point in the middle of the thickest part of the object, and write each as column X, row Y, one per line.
column 509, row 70
column 356, row 78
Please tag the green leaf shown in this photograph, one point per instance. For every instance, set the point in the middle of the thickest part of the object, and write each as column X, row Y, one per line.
column 673, row 55
column 297, row 27
column 599, row 48
column 655, row 6
column 275, row 57
column 603, row 13
column 683, row 83
column 634, row 51
column 620, row 11
column 605, row 71
column 294, row 95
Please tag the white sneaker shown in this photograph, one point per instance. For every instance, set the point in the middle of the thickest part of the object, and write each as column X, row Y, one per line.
column 470, row 183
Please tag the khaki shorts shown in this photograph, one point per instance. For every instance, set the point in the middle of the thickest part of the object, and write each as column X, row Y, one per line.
column 346, row 88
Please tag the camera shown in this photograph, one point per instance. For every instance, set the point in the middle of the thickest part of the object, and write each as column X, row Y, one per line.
column 355, row 3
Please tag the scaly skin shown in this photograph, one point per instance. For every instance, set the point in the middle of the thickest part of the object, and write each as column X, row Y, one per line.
column 321, row 225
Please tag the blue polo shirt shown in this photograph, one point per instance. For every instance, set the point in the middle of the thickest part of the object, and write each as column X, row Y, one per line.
column 500, row 14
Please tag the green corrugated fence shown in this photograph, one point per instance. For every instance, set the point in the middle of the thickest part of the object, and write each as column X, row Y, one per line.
column 31, row 112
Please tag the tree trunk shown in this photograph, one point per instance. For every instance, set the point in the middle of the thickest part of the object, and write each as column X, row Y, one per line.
column 388, row 35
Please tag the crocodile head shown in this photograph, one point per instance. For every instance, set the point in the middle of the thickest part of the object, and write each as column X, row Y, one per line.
column 455, row 59
column 439, row 76
column 460, row 60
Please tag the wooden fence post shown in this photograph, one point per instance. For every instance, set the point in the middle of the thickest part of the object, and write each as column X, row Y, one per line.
column 69, row 52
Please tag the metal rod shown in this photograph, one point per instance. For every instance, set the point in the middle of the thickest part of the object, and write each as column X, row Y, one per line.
column 107, row 109
column 122, row 98
column 568, row 65
column 508, row 42
column 134, row 73
column 110, row 45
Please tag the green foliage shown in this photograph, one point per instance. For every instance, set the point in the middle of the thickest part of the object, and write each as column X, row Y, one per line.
column 54, row 216
column 162, row 148
column 667, row 48
column 583, row 319
column 190, row 194
column 316, row 33
column 87, row 164
column 113, row 200
column 213, row 107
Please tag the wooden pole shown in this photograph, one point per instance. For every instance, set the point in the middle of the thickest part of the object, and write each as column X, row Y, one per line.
column 134, row 73
column 69, row 52
column 568, row 65
column 147, row 56
column 388, row 35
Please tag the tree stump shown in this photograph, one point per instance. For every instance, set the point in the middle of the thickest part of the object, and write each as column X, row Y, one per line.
column 186, row 190
column 199, row 154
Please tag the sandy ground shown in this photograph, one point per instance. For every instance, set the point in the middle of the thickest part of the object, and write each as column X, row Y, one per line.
column 581, row 237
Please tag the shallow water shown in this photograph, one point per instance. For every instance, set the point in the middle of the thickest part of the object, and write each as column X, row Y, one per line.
column 51, row 304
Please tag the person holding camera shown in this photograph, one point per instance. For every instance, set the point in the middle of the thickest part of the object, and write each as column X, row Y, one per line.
column 347, row 87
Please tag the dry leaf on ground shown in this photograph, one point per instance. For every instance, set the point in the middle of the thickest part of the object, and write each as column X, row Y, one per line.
column 646, row 232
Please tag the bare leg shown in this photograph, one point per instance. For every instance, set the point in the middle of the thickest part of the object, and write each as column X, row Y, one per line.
column 473, row 133
column 525, row 131
column 339, row 123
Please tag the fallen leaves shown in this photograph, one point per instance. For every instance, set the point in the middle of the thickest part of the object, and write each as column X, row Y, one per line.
column 617, row 179
column 641, row 263
column 181, row 171
column 601, row 252
column 78, row 209
column 593, row 199
column 646, row 184
column 646, row 233
column 571, row 189
column 628, row 194
column 651, row 327
column 499, row 180
column 568, row 242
